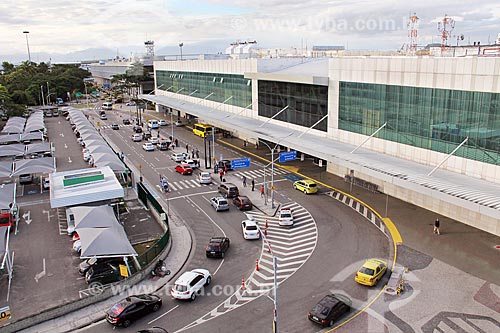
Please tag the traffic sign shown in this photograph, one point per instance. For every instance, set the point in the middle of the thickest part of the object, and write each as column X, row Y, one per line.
column 123, row 270
column 78, row 95
column 240, row 163
column 288, row 156
column 4, row 313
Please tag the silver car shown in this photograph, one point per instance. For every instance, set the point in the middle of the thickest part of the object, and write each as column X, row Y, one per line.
column 205, row 178
column 219, row 203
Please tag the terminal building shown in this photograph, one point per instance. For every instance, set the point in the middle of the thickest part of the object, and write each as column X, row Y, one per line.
column 423, row 129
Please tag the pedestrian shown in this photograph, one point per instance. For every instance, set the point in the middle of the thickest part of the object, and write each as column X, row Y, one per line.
column 253, row 185
column 216, row 168
column 176, row 143
column 262, row 191
column 225, row 169
column 197, row 153
column 187, row 148
column 436, row 227
column 244, row 179
column 122, row 156
column 192, row 153
column 221, row 174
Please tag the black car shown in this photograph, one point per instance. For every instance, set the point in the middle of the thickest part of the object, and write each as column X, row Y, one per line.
column 154, row 329
column 115, row 127
column 86, row 264
column 225, row 163
column 242, row 202
column 137, row 129
column 103, row 274
column 217, row 247
column 132, row 308
column 126, row 121
column 146, row 135
column 329, row 309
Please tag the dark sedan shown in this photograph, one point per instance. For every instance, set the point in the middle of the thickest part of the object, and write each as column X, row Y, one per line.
column 217, row 247
column 184, row 169
column 330, row 309
column 242, row 202
column 115, row 127
column 126, row 121
column 132, row 308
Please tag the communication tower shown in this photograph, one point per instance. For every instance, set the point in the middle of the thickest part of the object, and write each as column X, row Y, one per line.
column 445, row 27
column 412, row 34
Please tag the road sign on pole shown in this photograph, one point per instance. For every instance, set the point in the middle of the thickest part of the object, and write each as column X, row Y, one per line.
column 240, row 163
column 288, row 156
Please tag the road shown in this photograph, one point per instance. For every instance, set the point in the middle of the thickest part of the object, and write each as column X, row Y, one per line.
column 319, row 254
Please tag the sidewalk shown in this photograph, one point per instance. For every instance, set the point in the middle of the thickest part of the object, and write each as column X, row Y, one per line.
column 469, row 249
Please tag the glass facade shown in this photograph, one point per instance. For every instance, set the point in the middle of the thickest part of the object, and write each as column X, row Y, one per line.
column 307, row 103
column 435, row 119
column 219, row 86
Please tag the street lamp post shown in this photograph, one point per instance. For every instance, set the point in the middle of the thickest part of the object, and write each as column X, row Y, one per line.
column 27, row 44
column 181, row 45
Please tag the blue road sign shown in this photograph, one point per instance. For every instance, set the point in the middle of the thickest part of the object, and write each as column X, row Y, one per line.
column 240, row 163
column 288, row 156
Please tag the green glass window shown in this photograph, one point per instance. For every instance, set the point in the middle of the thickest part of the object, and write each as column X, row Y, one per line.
column 435, row 119
column 218, row 87
column 307, row 103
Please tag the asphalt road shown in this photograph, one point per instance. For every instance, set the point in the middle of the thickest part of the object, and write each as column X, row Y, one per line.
column 343, row 240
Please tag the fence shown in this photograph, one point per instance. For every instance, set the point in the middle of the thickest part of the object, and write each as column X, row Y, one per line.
column 361, row 183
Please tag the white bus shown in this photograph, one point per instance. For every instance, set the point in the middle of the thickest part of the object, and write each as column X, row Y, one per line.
column 107, row 106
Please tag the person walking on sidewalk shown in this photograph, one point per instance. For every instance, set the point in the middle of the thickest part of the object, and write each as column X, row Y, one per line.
column 436, row 226
column 221, row 175
column 262, row 191
column 187, row 148
column 244, row 179
column 253, row 185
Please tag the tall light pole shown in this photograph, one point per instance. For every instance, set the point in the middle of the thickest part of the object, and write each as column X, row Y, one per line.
column 27, row 44
column 181, row 45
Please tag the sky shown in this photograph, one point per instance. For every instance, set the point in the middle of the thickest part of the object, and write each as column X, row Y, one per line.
column 63, row 26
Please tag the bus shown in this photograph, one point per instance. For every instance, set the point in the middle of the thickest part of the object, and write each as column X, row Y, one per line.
column 107, row 106
column 202, row 130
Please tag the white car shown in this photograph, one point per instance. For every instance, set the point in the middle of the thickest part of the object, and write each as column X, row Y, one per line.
column 250, row 229
column 153, row 124
column 219, row 203
column 131, row 103
column 148, row 146
column 190, row 283
column 154, row 140
column 191, row 164
column 205, row 177
column 179, row 123
column 86, row 155
column 162, row 122
column 137, row 137
column 77, row 246
column 178, row 157
column 285, row 217
column 46, row 183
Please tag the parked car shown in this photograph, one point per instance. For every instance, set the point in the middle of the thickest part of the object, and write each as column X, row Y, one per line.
column 136, row 137
column 148, row 146
column 183, row 169
column 77, row 246
column 103, row 274
column 285, row 217
column 219, row 203
column 179, row 123
column 25, row 178
column 371, row 272
column 46, row 183
column 305, row 185
column 126, row 121
column 87, row 263
column 178, row 157
column 242, row 202
column 205, row 178
column 132, row 308
column 250, row 229
column 217, row 247
column 115, row 127
column 228, row 190
column 162, row 122
column 329, row 309
column 190, row 283
column 86, row 155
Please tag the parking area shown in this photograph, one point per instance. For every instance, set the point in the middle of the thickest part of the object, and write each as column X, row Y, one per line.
column 45, row 267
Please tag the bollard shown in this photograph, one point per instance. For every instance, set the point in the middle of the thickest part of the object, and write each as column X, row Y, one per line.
column 256, row 265
column 269, row 248
column 242, row 283
column 267, row 224
column 265, row 231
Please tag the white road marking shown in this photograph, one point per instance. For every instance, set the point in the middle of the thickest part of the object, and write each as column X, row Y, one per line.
column 161, row 316
column 69, row 159
column 66, row 146
column 40, row 275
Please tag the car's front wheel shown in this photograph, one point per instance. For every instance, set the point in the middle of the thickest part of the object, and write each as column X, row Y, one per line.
column 209, row 279
column 126, row 323
column 156, row 307
column 193, row 296
column 330, row 323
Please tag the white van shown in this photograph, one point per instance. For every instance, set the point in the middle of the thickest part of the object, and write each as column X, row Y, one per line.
column 153, row 123
column 107, row 106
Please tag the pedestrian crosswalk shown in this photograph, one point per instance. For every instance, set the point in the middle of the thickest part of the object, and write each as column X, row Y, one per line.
column 249, row 174
column 291, row 247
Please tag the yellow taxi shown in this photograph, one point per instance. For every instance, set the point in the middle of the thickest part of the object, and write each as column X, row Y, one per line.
column 371, row 272
column 305, row 185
